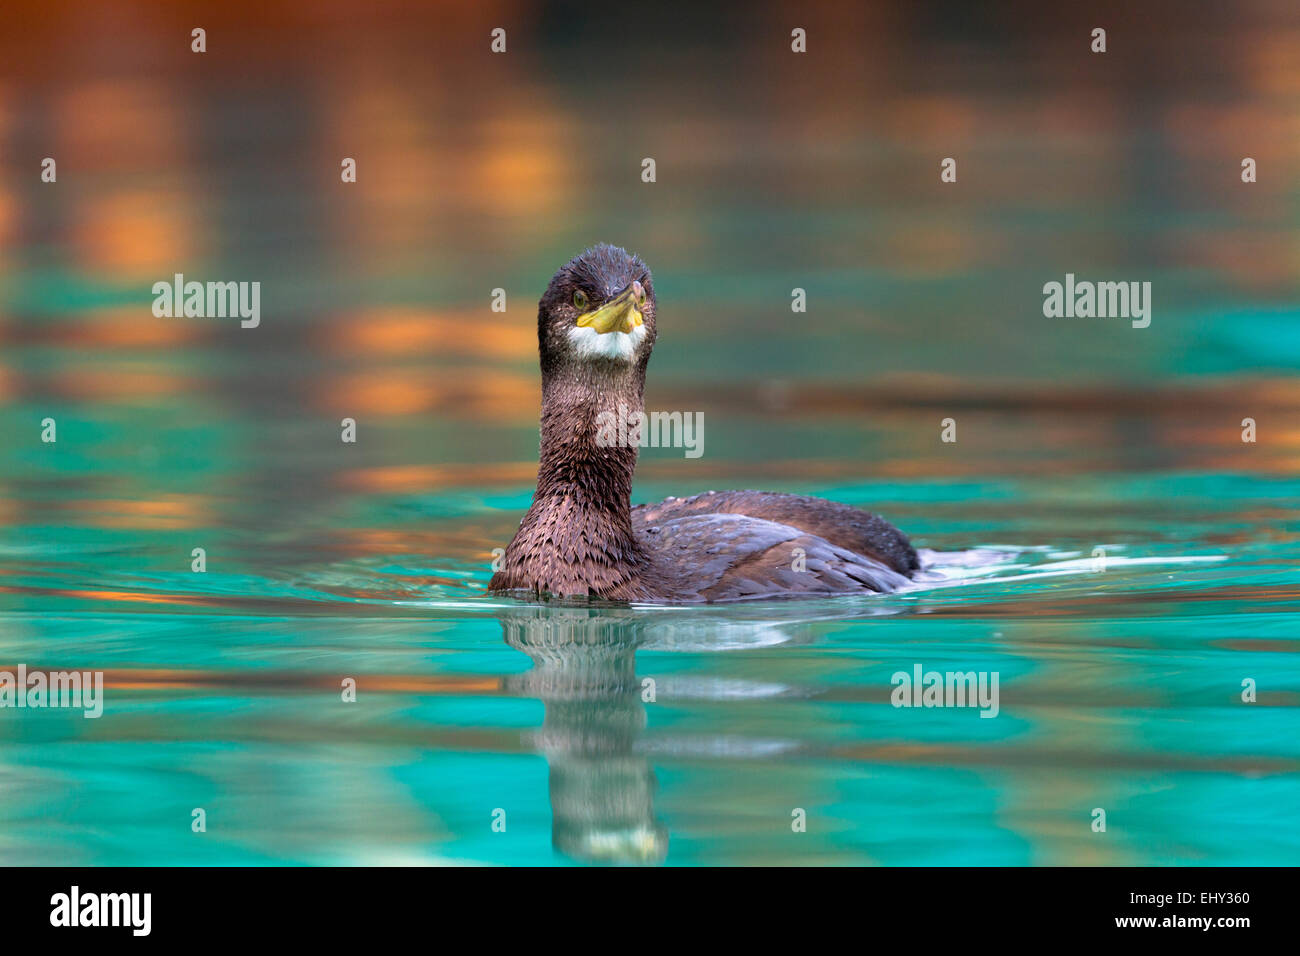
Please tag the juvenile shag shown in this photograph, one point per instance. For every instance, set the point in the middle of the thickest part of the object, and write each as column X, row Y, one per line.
column 581, row 537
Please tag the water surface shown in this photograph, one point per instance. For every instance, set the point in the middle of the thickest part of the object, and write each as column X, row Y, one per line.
column 1135, row 558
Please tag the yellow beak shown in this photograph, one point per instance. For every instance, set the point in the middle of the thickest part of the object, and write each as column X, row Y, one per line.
column 620, row 314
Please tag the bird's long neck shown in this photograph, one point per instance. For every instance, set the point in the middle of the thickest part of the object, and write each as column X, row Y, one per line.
column 587, row 454
column 577, row 537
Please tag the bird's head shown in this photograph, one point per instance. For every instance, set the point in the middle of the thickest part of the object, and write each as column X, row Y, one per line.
column 598, row 308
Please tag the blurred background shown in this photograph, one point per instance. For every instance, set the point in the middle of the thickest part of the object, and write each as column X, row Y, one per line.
column 775, row 170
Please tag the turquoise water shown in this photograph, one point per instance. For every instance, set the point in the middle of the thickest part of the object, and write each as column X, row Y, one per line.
column 1120, row 670
column 1119, row 689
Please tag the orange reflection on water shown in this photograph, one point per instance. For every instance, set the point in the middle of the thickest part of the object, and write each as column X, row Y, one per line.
column 128, row 327
column 127, row 383
column 107, row 133
column 1274, row 66
column 484, row 393
column 523, row 164
column 138, row 234
column 147, row 678
column 1258, row 258
column 122, row 125
column 129, row 597
column 8, row 217
column 174, row 511
column 470, row 331
column 388, row 541
column 401, row 478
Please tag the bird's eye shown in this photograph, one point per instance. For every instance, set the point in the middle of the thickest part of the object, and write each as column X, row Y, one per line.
column 580, row 299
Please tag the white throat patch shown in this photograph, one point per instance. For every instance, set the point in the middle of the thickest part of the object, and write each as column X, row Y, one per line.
column 589, row 343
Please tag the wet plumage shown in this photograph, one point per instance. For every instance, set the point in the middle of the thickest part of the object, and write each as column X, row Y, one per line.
column 581, row 538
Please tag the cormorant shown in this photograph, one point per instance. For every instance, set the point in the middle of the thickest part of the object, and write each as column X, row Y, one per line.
column 582, row 539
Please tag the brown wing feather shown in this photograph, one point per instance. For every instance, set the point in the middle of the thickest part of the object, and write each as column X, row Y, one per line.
column 839, row 524
column 725, row 557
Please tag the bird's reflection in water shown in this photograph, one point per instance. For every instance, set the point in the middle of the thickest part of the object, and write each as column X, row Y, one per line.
column 584, row 670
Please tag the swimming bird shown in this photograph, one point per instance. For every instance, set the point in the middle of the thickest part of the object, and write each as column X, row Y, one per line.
column 582, row 538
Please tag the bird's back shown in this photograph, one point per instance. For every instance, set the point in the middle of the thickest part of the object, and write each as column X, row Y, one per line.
column 723, row 547
column 842, row 525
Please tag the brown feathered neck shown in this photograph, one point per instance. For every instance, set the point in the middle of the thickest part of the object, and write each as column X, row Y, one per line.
column 575, row 400
column 577, row 537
